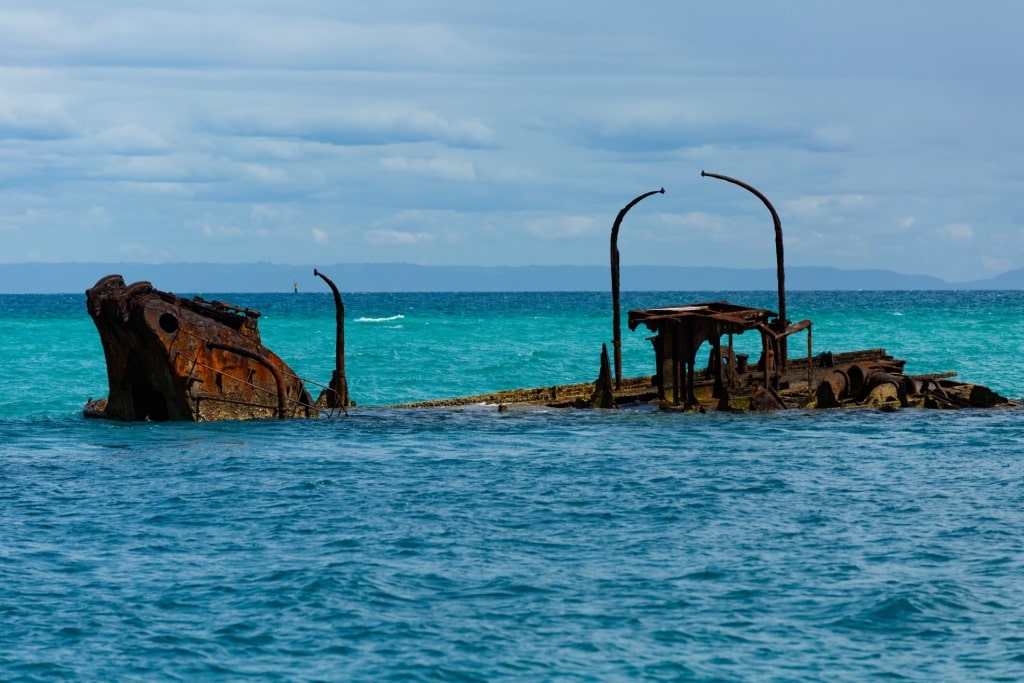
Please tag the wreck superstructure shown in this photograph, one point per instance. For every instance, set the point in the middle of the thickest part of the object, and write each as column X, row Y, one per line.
column 170, row 358
column 682, row 330
column 867, row 378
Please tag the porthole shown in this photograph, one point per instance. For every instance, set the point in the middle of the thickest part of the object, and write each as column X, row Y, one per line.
column 168, row 323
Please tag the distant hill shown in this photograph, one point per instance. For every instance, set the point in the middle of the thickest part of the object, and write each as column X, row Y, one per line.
column 1013, row 279
column 51, row 278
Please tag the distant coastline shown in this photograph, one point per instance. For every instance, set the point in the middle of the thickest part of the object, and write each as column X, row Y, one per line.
column 67, row 278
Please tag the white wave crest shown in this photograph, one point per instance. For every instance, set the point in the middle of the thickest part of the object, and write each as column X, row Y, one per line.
column 380, row 320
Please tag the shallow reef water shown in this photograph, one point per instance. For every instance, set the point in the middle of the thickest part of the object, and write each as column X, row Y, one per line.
column 536, row 544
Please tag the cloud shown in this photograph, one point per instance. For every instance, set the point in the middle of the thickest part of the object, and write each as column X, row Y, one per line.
column 210, row 230
column 666, row 124
column 136, row 251
column 131, row 138
column 507, row 126
column 265, row 174
column 831, row 206
column 166, row 168
column 957, row 232
column 379, row 124
column 390, row 238
column 157, row 187
column 225, row 230
column 449, row 169
column 698, row 221
column 125, row 34
column 561, row 227
column 98, row 215
column 695, row 228
column 319, row 236
column 996, row 265
column 35, row 119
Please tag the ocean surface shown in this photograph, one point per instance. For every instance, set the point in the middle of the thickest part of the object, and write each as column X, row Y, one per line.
column 533, row 544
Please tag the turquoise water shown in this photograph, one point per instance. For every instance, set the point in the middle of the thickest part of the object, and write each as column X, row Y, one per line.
column 473, row 545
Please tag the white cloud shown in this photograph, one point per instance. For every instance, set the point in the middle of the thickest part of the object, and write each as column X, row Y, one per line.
column 210, row 230
column 996, row 265
column 319, row 236
column 122, row 33
column 450, row 169
column 347, row 124
column 131, row 139
column 561, row 227
column 831, row 206
column 957, row 232
column 387, row 238
column 267, row 212
column 155, row 187
column 34, row 118
column 265, row 174
column 98, row 216
column 141, row 252
column 697, row 221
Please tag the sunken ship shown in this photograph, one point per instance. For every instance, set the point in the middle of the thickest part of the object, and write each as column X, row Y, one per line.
column 170, row 358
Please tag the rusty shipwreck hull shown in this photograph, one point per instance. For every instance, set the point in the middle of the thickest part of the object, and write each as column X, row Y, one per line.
column 170, row 358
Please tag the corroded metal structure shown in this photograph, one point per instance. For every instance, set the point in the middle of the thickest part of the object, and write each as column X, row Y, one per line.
column 859, row 379
column 336, row 395
column 170, row 358
column 780, row 268
column 682, row 330
column 616, row 316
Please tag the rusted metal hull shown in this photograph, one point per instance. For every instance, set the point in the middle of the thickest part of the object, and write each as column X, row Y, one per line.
column 170, row 358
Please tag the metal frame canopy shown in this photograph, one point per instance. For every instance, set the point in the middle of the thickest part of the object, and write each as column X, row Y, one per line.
column 681, row 330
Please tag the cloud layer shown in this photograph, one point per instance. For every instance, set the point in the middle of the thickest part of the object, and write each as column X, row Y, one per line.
column 886, row 135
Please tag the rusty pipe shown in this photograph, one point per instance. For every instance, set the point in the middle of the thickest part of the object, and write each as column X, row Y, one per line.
column 339, row 384
column 780, row 267
column 282, row 396
column 616, row 318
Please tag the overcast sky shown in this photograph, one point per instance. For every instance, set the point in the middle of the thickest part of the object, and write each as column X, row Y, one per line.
column 888, row 134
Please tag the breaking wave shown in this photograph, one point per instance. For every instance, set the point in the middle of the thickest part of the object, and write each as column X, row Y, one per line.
column 380, row 320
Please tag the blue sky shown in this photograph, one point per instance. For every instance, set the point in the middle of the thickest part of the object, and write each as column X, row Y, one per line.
column 887, row 134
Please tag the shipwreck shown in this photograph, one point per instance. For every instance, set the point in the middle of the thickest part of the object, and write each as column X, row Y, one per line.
column 729, row 381
column 171, row 358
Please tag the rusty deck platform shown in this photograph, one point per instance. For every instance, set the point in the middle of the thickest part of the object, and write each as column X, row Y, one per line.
column 867, row 378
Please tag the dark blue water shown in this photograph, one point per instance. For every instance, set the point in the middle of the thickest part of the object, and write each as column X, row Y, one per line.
column 474, row 545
